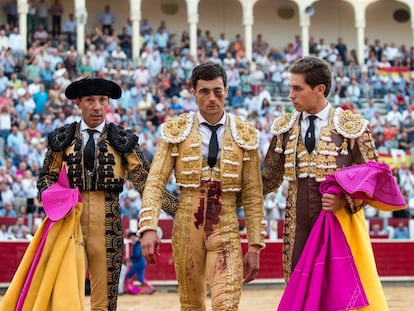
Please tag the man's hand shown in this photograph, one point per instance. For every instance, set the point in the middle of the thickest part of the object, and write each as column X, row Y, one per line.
column 332, row 202
column 250, row 266
column 150, row 245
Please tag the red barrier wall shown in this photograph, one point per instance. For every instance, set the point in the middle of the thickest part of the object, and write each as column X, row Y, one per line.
column 393, row 258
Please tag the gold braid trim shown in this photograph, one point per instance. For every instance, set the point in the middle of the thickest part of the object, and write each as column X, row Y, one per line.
column 174, row 131
column 245, row 135
column 284, row 123
column 348, row 124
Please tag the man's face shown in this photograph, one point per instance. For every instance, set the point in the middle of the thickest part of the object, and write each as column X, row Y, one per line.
column 210, row 97
column 305, row 98
column 93, row 109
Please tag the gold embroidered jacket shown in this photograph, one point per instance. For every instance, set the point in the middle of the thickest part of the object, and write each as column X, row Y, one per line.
column 345, row 141
column 237, row 170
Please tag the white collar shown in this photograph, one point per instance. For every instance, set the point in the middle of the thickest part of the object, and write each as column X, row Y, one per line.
column 99, row 128
column 322, row 115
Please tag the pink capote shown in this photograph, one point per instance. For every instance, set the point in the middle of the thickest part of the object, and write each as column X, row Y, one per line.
column 372, row 181
column 59, row 199
column 57, row 247
column 326, row 277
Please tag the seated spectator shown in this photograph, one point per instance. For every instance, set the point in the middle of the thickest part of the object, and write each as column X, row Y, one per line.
column 4, row 235
column 369, row 112
column 401, row 231
column 40, row 34
column 393, row 146
column 394, row 117
column 389, row 100
column 8, row 210
column 377, row 231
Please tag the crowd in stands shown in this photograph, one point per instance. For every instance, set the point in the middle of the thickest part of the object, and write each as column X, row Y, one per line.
column 157, row 87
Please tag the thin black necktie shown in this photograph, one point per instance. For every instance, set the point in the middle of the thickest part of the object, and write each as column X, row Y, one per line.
column 310, row 134
column 213, row 146
column 89, row 152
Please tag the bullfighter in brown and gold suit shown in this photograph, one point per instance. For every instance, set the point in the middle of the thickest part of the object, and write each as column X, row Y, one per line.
column 308, row 145
column 206, row 240
column 98, row 157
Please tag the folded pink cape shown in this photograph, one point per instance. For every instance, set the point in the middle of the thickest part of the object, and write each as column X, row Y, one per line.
column 59, row 199
column 325, row 277
column 372, row 181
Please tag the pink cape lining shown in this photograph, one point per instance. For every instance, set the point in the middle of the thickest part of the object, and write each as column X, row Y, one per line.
column 59, row 200
column 326, row 277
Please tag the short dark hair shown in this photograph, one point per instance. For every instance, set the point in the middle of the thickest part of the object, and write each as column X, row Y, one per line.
column 208, row 71
column 315, row 71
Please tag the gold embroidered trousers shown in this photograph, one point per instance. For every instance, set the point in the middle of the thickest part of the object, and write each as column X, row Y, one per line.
column 206, row 245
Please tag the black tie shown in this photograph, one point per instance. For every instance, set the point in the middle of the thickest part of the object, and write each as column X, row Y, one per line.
column 89, row 152
column 213, row 147
column 310, row 134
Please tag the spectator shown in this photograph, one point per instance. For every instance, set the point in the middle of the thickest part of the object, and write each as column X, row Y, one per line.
column 187, row 101
column 8, row 210
column 393, row 147
column 4, row 235
column 377, row 231
column 57, row 10
column 16, row 44
column 107, row 19
column 401, row 231
column 10, row 8
column 137, row 268
column 390, row 100
column 6, row 194
column 69, row 29
column 41, row 34
column 251, row 103
column 125, row 41
column 394, row 117
column 259, row 45
column 270, row 206
column 354, row 93
column 14, row 141
column 42, row 14
column 8, row 63
column 237, row 101
column 369, row 112
column 223, row 45
column 6, row 109
column 4, row 40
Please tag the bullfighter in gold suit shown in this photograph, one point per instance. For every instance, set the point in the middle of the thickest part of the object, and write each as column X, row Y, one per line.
column 206, row 240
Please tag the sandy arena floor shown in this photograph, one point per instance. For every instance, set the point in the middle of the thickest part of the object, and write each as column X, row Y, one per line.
column 399, row 299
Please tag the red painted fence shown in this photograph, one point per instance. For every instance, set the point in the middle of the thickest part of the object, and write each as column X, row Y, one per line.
column 393, row 258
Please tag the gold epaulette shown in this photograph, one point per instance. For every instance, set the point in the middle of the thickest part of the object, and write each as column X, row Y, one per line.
column 175, row 130
column 245, row 135
column 284, row 123
column 349, row 124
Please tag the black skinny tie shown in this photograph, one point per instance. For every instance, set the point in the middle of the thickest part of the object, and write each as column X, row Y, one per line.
column 89, row 152
column 310, row 134
column 213, row 147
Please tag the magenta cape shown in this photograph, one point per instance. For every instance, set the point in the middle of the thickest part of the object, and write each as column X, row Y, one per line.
column 51, row 275
column 372, row 181
column 325, row 277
